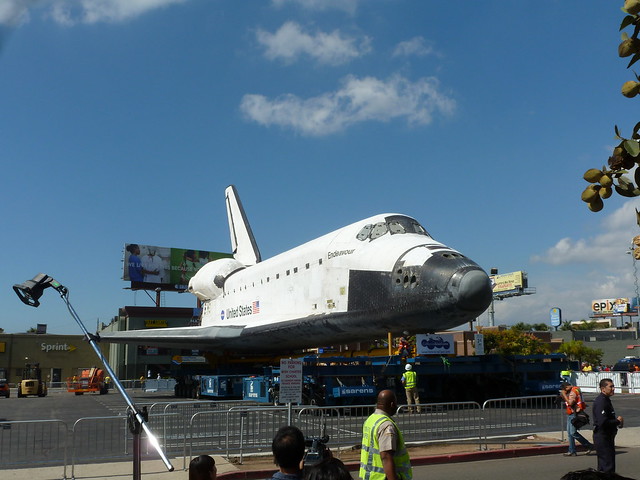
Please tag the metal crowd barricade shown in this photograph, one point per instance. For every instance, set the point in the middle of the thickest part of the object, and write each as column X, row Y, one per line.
column 37, row 442
column 215, row 427
column 343, row 424
column 442, row 422
column 522, row 415
column 256, row 428
column 170, row 430
column 314, row 422
column 207, row 432
column 100, row 438
column 589, row 381
column 634, row 382
column 159, row 385
column 189, row 407
column 625, row 382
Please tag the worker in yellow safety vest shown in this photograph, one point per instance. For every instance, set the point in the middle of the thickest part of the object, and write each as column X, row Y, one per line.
column 384, row 454
column 410, row 382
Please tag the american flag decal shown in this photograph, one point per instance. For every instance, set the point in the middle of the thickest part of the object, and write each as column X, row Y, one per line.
column 256, row 307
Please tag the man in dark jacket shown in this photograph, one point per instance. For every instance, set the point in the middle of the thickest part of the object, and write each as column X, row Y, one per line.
column 606, row 426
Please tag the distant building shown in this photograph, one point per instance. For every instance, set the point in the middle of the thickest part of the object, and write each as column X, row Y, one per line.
column 59, row 356
column 131, row 361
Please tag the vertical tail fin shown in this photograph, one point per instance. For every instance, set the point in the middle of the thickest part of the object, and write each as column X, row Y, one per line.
column 243, row 243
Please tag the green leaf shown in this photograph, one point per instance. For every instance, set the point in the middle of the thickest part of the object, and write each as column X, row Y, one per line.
column 624, row 192
column 624, row 36
column 626, row 21
column 632, row 147
column 634, row 59
column 617, row 131
column 625, row 183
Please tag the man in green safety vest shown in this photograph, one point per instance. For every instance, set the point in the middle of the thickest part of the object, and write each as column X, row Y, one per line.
column 410, row 382
column 384, row 454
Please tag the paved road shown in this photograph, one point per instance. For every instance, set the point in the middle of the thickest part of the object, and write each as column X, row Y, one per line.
column 68, row 408
column 547, row 467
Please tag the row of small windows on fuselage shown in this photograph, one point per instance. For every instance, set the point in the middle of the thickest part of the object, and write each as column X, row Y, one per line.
column 288, row 272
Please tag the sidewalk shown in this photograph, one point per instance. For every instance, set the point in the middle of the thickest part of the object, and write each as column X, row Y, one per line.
column 262, row 467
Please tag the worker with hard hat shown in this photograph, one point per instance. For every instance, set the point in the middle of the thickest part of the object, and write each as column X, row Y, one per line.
column 410, row 382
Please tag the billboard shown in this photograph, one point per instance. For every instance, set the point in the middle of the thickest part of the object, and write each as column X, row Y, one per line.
column 150, row 267
column 508, row 281
column 435, row 344
column 610, row 305
column 555, row 315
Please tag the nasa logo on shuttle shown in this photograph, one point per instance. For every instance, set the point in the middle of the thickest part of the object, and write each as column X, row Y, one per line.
column 339, row 253
column 222, row 315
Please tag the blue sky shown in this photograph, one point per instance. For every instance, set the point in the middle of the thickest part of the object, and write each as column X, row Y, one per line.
column 124, row 120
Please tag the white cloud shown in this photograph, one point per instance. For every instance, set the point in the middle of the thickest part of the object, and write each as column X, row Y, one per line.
column 348, row 6
column 574, row 272
column 290, row 42
column 14, row 12
column 358, row 100
column 615, row 234
column 416, row 46
column 71, row 12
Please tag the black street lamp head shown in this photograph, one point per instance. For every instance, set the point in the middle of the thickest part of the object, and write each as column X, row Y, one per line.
column 30, row 291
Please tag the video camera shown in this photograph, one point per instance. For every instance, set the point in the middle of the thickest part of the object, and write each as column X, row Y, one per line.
column 317, row 449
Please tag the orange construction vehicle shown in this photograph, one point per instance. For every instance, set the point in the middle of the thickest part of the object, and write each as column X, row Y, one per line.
column 87, row 380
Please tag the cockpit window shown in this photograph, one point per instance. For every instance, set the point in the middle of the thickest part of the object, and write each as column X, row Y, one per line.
column 378, row 230
column 364, row 233
column 395, row 225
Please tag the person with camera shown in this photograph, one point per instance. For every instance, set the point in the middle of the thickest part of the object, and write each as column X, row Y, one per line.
column 384, row 454
column 574, row 403
column 288, row 451
column 329, row 468
column 202, row 467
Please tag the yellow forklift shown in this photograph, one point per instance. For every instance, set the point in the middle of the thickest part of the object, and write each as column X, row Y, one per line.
column 32, row 383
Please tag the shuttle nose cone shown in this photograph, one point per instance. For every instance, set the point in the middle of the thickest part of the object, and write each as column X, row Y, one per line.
column 474, row 291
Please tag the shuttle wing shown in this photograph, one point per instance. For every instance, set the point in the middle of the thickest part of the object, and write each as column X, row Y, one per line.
column 208, row 337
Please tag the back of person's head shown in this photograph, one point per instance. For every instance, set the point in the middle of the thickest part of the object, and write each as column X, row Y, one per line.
column 591, row 474
column 288, row 447
column 329, row 468
column 202, row 467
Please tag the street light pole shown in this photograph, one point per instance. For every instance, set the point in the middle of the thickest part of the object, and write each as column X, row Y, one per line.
column 29, row 293
column 492, row 310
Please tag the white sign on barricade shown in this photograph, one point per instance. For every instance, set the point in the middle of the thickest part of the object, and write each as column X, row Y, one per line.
column 290, row 380
column 625, row 382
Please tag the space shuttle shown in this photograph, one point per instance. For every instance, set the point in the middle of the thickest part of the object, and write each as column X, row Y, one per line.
column 382, row 274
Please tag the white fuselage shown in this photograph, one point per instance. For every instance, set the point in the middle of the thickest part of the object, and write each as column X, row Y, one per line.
column 382, row 274
column 311, row 279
